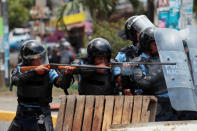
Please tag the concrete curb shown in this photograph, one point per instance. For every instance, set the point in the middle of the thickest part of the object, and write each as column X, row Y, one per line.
column 9, row 116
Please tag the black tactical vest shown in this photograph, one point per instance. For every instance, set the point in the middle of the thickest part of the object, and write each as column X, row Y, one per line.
column 38, row 91
column 97, row 84
column 155, row 74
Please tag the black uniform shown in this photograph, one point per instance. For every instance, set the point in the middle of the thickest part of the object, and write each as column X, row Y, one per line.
column 150, row 78
column 34, row 91
column 94, row 83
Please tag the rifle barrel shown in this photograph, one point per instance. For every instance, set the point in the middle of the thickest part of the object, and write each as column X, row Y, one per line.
column 145, row 63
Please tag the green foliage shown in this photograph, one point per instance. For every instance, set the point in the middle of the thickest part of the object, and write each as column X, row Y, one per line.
column 100, row 8
column 27, row 3
column 109, row 31
column 195, row 8
column 138, row 7
column 18, row 12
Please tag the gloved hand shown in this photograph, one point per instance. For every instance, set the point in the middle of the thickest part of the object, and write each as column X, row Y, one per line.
column 69, row 69
column 40, row 70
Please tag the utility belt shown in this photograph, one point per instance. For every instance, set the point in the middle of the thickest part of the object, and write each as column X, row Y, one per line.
column 34, row 109
column 28, row 110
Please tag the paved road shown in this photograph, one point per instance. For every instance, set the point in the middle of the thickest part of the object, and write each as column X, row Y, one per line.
column 9, row 103
column 4, row 125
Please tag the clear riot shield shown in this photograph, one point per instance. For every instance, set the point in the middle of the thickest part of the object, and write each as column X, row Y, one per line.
column 191, row 40
column 178, row 77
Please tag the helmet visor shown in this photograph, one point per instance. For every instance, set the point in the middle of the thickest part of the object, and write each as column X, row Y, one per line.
column 38, row 59
column 140, row 23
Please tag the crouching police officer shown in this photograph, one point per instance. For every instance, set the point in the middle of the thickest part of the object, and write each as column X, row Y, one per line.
column 150, row 78
column 99, row 81
column 34, row 89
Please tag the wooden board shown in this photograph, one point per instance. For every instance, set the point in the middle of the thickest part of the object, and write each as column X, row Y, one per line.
column 137, row 107
column 69, row 113
column 107, row 119
column 118, row 106
column 98, row 113
column 145, row 115
column 87, row 121
column 77, row 122
column 127, row 110
column 153, row 107
column 61, row 113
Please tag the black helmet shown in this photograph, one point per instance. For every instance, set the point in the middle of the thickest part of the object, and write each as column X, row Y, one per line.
column 146, row 37
column 98, row 47
column 33, row 51
column 133, row 25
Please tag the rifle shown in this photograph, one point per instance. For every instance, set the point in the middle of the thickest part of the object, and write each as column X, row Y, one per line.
column 144, row 63
column 64, row 66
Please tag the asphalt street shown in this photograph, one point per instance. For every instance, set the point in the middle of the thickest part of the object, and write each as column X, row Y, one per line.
column 4, row 125
column 9, row 103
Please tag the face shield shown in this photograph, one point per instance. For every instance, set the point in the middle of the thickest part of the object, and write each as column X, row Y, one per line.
column 38, row 59
column 140, row 23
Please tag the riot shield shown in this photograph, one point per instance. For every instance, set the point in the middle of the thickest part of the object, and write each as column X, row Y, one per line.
column 191, row 41
column 178, row 77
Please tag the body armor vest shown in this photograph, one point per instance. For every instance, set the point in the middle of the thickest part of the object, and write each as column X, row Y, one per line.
column 96, row 84
column 38, row 91
column 155, row 75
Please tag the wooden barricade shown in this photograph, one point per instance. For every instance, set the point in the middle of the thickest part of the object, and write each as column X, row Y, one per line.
column 96, row 113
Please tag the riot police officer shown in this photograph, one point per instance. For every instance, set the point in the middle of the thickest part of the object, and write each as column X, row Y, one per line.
column 134, row 25
column 150, row 78
column 99, row 81
column 34, row 89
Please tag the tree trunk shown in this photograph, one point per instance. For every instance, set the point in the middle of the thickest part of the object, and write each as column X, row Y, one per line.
column 151, row 10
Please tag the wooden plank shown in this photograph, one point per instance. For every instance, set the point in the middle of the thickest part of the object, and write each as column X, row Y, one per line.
column 69, row 113
column 98, row 113
column 60, row 116
column 107, row 119
column 137, row 107
column 153, row 108
column 87, row 121
column 127, row 110
column 118, row 106
column 77, row 122
column 145, row 110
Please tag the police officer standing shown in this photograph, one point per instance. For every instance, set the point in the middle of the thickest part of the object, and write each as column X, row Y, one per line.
column 34, row 89
column 99, row 81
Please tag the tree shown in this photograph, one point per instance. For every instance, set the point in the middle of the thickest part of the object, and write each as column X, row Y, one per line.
column 109, row 31
column 195, row 8
column 18, row 12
